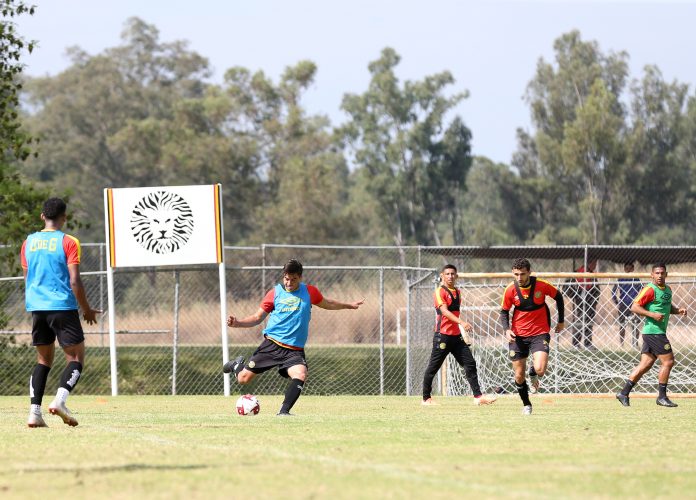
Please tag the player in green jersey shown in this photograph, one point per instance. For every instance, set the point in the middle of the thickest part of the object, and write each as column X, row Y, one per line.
column 654, row 303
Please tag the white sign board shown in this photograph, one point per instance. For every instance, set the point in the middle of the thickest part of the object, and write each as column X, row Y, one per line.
column 164, row 226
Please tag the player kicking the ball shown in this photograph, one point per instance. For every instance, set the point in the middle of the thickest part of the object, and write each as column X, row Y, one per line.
column 289, row 305
column 531, row 324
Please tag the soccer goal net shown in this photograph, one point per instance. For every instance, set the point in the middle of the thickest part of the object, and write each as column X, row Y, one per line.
column 596, row 351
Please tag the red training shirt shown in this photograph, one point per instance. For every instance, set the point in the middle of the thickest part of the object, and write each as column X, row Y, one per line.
column 529, row 323
column 446, row 325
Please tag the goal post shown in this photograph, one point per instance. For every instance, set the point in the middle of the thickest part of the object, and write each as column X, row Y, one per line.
column 594, row 354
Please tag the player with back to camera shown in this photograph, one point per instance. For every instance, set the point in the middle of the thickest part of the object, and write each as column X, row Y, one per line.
column 531, row 324
column 51, row 264
column 448, row 338
column 289, row 305
column 654, row 303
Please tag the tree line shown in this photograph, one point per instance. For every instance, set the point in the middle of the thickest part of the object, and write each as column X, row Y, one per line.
column 610, row 158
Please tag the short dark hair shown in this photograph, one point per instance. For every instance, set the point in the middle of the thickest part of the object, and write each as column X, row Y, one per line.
column 293, row 266
column 628, row 263
column 53, row 208
column 659, row 264
column 448, row 266
column 521, row 263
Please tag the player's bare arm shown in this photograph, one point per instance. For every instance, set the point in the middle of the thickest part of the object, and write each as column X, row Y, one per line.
column 641, row 311
column 89, row 314
column 335, row 305
column 559, row 327
column 249, row 321
column 681, row 311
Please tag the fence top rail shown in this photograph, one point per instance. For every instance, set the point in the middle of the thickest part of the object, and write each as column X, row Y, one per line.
column 338, row 268
column 574, row 275
column 346, row 247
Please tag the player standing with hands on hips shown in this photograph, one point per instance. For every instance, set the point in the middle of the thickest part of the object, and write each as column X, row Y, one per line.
column 531, row 324
column 448, row 338
column 289, row 305
column 654, row 303
column 51, row 265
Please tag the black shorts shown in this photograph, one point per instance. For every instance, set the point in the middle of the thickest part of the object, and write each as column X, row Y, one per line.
column 269, row 354
column 47, row 326
column 656, row 344
column 522, row 346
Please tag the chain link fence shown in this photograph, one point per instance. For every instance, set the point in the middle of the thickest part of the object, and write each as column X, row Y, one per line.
column 169, row 339
column 595, row 353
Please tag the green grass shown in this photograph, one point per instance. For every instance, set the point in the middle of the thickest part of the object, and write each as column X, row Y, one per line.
column 350, row 447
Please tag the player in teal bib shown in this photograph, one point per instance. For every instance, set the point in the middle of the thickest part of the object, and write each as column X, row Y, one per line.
column 289, row 320
column 654, row 303
column 290, row 307
column 51, row 264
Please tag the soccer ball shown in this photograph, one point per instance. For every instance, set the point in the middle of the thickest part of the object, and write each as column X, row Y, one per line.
column 248, row 404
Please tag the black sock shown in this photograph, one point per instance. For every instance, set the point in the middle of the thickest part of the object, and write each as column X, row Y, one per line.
column 662, row 390
column 627, row 388
column 292, row 393
column 532, row 371
column 37, row 383
column 70, row 376
column 523, row 391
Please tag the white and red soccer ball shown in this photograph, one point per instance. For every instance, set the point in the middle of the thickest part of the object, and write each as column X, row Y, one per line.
column 248, row 404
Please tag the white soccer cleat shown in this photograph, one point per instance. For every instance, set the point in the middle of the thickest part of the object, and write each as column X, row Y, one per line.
column 35, row 420
column 534, row 384
column 59, row 408
column 527, row 410
column 484, row 400
column 429, row 402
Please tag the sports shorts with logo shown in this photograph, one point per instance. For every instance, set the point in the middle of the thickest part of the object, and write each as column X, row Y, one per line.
column 47, row 326
column 269, row 355
column 522, row 346
column 656, row 343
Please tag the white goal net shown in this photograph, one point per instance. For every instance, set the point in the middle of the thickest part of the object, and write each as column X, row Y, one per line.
column 594, row 353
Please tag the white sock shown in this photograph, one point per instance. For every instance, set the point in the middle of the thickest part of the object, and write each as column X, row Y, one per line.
column 62, row 394
column 35, row 409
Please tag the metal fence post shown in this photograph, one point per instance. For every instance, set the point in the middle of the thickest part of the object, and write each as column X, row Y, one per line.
column 381, row 331
column 101, row 292
column 263, row 265
column 408, row 337
column 175, row 340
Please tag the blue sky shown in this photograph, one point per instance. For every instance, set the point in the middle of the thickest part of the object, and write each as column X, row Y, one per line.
column 491, row 47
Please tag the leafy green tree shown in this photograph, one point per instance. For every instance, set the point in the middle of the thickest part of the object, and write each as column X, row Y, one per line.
column 20, row 202
column 85, row 114
column 574, row 160
column 305, row 190
column 410, row 161
column 661, row 163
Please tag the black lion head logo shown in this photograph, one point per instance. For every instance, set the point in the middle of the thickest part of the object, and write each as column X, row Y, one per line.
column 162, row 222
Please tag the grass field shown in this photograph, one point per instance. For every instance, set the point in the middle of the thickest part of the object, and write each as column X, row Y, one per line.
column 350, row 447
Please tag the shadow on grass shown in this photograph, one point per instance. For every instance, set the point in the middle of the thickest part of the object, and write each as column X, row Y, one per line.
column 106, row 468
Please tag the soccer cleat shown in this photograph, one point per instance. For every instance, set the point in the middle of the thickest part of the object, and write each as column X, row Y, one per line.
column 429, row 402
column 527, row 410
column 666, row 402
column 35, row 420
column 59, row 408
column 623, row 399
column 285, row 414
column 533, row 384
column 231, row 366
column 484, row 400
